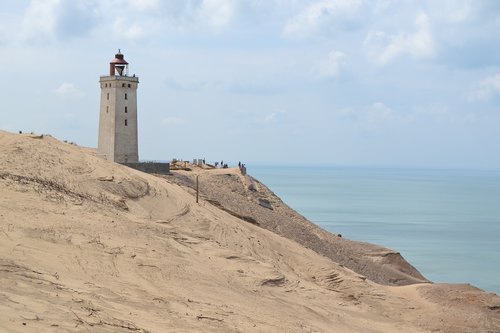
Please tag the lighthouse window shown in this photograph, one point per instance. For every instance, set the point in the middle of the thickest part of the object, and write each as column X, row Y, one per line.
column 129, row 85
column 107, row 96
column 126, row 122
column 126, row 97
column 126, row 109
column 107, row 109
column 123, row 85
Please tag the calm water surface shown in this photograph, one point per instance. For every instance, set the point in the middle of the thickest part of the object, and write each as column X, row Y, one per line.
column 445, row 223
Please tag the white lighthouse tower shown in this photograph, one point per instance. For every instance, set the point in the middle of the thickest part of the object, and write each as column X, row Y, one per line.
column 118, row 114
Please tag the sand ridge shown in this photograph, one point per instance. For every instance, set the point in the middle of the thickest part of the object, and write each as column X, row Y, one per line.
column 91, row 246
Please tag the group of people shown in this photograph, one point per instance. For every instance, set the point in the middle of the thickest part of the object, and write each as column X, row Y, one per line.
column 222, row 165
column 243, row 168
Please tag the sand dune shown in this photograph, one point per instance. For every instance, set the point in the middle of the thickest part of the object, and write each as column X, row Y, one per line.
column 91, row 246
column 250, row 200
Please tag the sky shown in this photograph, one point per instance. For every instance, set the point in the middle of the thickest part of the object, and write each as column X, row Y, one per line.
column 323, row 82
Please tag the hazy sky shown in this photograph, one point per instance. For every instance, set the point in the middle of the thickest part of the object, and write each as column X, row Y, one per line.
column 343, row 82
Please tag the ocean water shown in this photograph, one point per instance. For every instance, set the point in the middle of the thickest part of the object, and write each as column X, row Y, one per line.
column 446, row 223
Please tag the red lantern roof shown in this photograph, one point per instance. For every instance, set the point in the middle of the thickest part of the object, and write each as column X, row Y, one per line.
column 119, row 59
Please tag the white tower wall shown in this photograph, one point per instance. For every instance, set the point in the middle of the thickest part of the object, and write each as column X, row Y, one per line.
column 118, row 136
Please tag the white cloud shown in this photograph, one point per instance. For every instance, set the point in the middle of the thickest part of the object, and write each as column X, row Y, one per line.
column 463, row 11
column 172, row 121
column 146, row 18
column 273, row 116
column 375, row 116
column 68, row 90
column 319, row 16
column 381, row 5
column 382, row 110
column 217, row 13
column 122, row 28
column 332, row 66
column 458, row 11
column 485, row 89
column 144, row 4
column 40, row 19
column 45, row 20
column 383, row 48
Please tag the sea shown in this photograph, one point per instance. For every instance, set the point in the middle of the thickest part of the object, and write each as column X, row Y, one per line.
column 446, row 223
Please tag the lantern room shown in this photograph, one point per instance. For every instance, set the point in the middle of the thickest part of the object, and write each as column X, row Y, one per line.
column 118, row 66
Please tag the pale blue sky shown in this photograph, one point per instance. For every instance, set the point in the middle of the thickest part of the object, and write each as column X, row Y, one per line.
column 342, row 82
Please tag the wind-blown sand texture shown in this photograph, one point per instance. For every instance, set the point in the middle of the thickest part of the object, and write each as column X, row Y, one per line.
column 91, row 246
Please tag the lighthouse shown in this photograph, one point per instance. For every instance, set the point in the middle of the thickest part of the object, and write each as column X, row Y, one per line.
column 118, row 114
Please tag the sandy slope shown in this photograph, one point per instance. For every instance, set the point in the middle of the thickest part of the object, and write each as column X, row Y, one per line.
column 247, row 198
column 91, row 246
